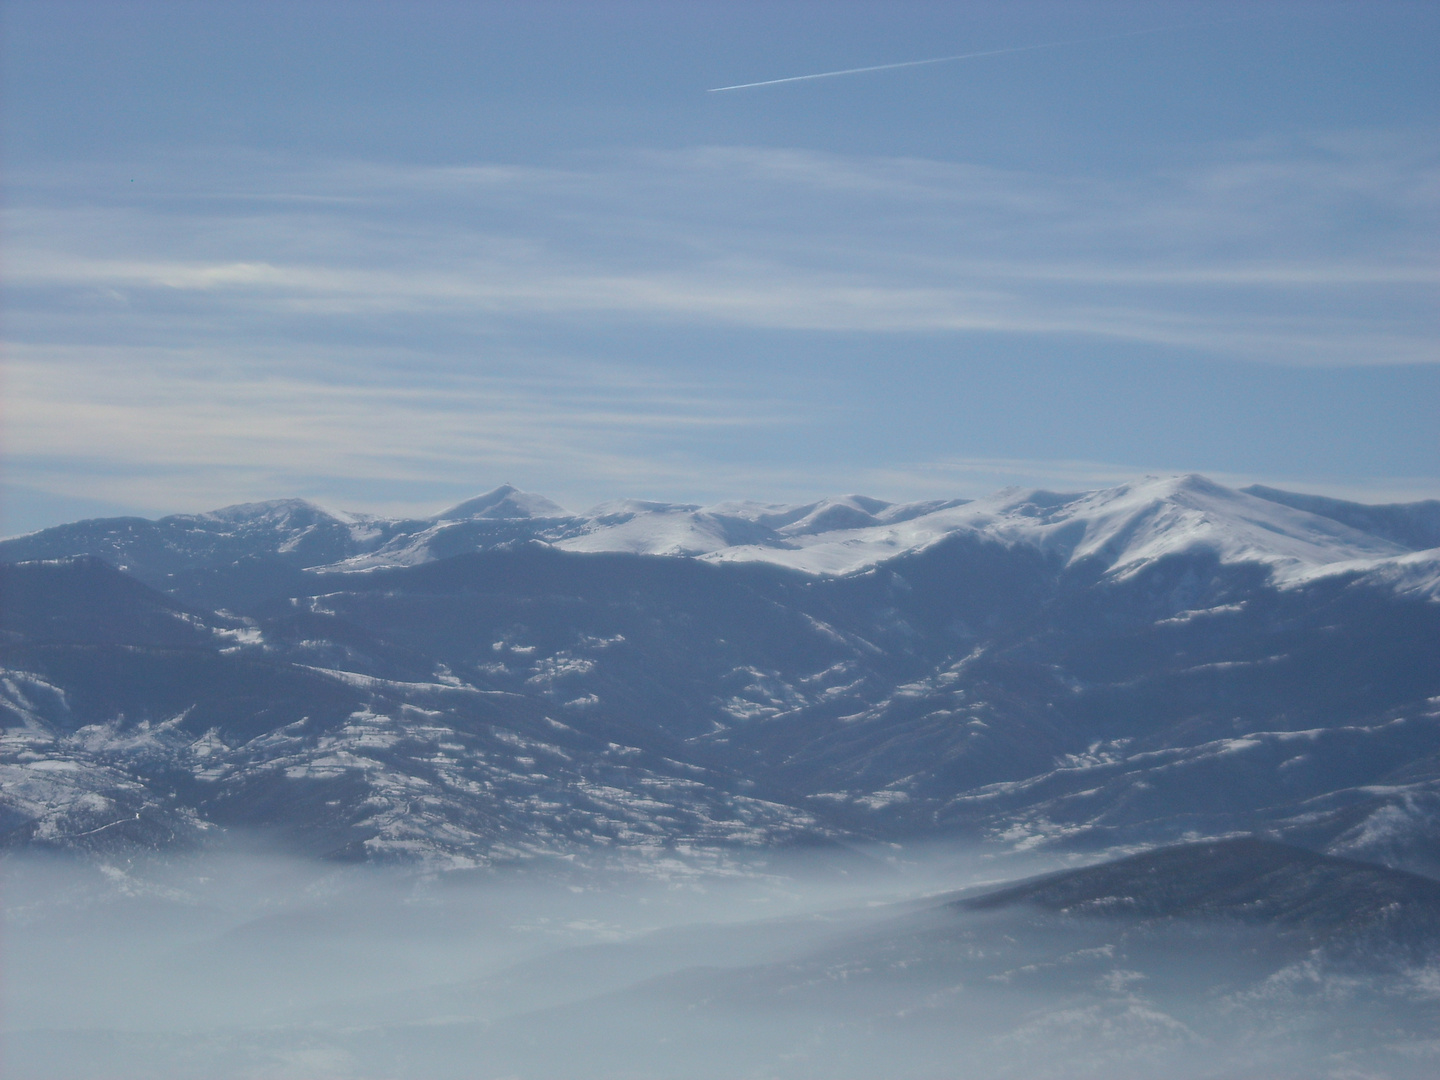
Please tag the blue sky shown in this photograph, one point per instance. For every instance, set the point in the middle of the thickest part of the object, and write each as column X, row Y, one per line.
column 388, row 255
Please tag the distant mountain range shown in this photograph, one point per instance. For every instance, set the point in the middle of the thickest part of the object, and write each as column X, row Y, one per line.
column 1164, row 660
column 1118, row 531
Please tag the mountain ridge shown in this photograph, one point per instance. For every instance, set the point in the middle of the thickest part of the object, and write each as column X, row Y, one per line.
column 1120, row 529
column 1034, row 670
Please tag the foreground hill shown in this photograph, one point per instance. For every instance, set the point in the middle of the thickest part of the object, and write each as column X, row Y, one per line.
column 1318, row 899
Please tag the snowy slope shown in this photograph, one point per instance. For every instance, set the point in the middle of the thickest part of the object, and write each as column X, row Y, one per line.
column 1120, row 529
column 505, row 502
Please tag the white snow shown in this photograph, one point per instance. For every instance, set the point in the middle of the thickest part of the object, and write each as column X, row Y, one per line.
column 660, row 531
column 1117, row 530
column 1122, row 530
column 505, row 501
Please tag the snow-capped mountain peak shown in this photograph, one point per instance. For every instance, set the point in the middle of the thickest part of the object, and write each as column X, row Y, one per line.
column 505, row 502
column 1134, row 524
column 829, row 515
column 276, row 513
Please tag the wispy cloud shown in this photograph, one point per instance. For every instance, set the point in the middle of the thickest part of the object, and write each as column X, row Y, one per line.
column 1244, row 257
column 260, row 326
column 164, row 430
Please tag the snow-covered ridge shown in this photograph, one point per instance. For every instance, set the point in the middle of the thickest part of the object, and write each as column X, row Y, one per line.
column 1122, row 529
column 1117, row 531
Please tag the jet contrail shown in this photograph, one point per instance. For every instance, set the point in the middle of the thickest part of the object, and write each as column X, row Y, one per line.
column 960, row 56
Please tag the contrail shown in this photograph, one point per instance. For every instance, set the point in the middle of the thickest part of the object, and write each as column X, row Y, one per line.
column 960, row 56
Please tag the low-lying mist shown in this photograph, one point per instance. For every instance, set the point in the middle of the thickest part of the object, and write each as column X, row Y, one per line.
column 828, row 962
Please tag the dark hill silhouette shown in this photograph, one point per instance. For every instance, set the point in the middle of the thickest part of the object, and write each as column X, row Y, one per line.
column 1247, row 880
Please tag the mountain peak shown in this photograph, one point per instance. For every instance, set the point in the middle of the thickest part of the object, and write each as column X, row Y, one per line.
column 270, row 512
column 506, row 501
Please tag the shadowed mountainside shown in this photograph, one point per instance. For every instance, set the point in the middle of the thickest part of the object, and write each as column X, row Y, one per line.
column 1119, row 668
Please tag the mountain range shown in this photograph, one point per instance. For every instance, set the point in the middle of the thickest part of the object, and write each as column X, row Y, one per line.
column 1165, row 660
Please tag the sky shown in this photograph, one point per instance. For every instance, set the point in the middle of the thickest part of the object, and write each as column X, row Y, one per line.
column 385, row 256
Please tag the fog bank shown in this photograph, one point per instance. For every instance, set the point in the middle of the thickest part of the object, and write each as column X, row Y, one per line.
column 246, row 963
